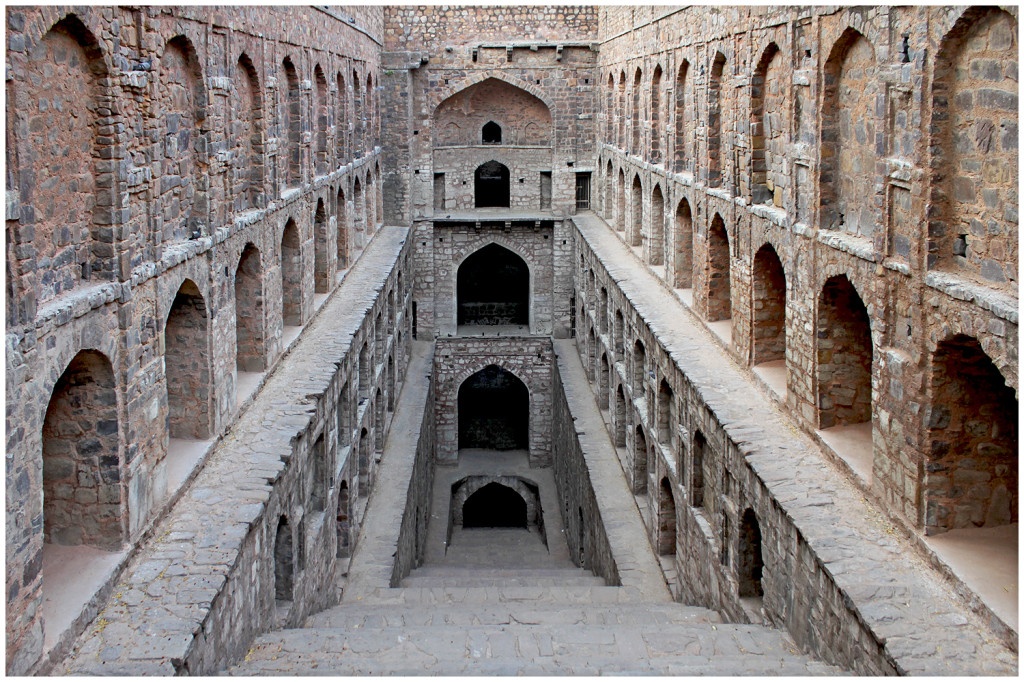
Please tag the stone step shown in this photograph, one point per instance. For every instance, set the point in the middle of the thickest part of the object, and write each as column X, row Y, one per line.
column 443, row 570
column 355, row 615
column 550, row 594
column 571, row 579
column 530, row 649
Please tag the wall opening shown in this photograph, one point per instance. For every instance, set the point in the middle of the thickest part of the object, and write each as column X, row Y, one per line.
column 491, row 133
column 971, row 476
column 620, row 417
column 602, row 386
column 683, row 246
column 342, row 522
column 639, row 462
column 187, row 364
column 545, row 190
column 768, row 114
column 321, row 264
column 292, row 116
column 847, row 170
column 637, row 205
column 494, row 506
column 493, row 288
column 494, row 411
column 320, row 120
column 291, row 275
column 719, row 284
column 364, row 461
column 657, row 245
column 844, row 355
column 697, row 482
column 751, row 563
column 284, row 570
column 769, row 306
column 682, row 132
column 250, row 343
column 665, row 413
column 715, row 122
column 439, row 192
column 82, row 490
column 656, row 115
column 491, row 185
column 342, row 238
column 637, row 111
column 666, row 519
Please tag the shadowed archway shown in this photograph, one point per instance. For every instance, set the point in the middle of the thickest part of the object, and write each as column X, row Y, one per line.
column 493, row 288
column 494, row 411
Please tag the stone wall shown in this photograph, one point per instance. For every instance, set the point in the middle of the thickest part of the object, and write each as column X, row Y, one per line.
column 678, row 453
column 806, row 166
column 534, row 241
column 233, row 561
column 545, row 71
column 412, row 537
column 585, row 532
column 148, row 152
column 527, row 358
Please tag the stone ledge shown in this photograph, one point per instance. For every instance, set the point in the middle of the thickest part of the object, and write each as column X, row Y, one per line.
column 999, row 303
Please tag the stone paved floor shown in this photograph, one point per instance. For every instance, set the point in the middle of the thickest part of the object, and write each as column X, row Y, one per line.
column 926, row 628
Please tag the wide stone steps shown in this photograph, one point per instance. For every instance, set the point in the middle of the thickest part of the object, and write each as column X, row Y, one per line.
column 546, row 646
column 355, row 615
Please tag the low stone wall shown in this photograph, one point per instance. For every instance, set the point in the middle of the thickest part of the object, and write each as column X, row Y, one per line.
column 413, row 534
column 584, row 528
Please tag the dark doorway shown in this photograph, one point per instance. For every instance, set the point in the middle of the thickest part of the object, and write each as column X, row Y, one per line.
column 494, row 411
column 494, row 506
column 491, row 184
column 493, row 288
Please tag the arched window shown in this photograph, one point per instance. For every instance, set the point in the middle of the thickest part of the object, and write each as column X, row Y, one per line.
column 491, row 133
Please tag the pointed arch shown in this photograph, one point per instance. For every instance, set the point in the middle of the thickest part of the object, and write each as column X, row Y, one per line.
column 321, row 260
column 247, row 133
column 320, row 121
column 845, row 355
column 292, row 116
column 494, row 411
column 493, row 287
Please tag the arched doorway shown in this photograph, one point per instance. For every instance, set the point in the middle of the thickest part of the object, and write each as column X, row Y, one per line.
column 491, row 185
column 494, row 411
column 494, row 506
column 845, row 354
column 493, row 288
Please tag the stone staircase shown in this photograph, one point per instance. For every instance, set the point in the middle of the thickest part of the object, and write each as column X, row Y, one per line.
column 512, row 632
column 542, row 620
